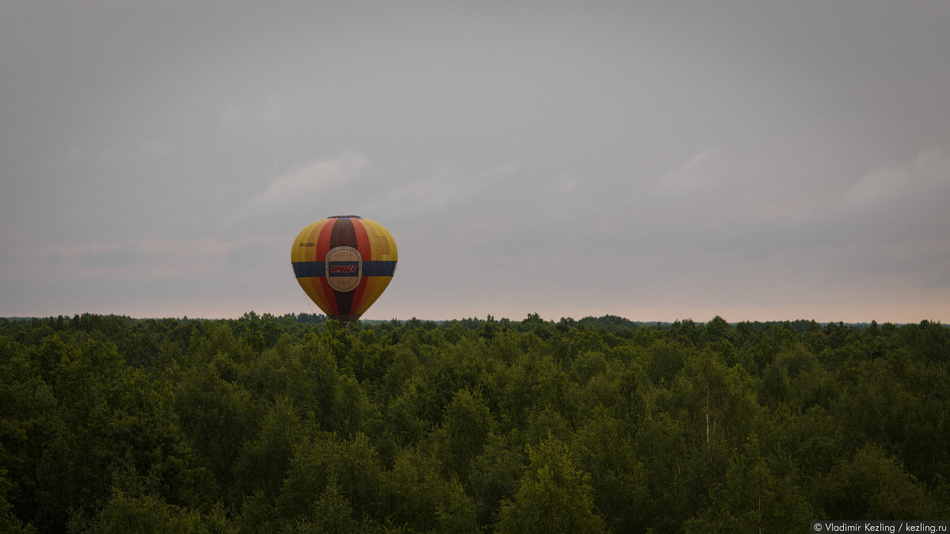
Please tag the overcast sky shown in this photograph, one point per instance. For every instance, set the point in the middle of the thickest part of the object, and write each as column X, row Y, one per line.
column 653, row 160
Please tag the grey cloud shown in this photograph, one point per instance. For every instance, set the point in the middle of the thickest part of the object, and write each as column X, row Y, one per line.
column 247, row 258
column 721, row 153
column 299, row 187
column 120, row 256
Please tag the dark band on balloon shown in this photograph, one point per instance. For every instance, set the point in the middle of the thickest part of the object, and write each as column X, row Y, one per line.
column 343, row 234
column 307, row 269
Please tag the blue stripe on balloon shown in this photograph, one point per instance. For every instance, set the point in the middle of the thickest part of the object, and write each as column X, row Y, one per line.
column 379, row 268
column 308, row 269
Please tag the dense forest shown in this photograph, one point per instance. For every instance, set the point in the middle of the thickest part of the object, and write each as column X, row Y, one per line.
column 291, row 424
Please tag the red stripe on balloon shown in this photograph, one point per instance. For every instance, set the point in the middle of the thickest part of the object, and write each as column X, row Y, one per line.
column 358, row 294
column 330, row 296
column 323, row 242
column 362, row 240
column 366, row 252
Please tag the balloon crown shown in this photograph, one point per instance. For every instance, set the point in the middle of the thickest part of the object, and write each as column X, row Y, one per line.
column 344, row 217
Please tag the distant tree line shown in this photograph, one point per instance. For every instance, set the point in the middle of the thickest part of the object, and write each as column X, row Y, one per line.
column 291, row 424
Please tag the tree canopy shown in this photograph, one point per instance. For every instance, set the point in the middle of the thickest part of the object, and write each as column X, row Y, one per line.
column 292, row 424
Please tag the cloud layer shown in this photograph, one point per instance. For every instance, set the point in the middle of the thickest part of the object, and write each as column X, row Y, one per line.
column 651, row 161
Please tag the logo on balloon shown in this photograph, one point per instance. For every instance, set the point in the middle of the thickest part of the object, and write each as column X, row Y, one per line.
column 344, row 268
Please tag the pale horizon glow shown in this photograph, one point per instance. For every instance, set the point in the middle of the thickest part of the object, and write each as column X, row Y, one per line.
column 654, row 161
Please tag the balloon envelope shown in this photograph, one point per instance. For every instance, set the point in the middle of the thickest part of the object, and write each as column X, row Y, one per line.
column 344, row 263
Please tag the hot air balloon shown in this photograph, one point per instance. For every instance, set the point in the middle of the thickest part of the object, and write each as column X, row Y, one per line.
column 344, row 264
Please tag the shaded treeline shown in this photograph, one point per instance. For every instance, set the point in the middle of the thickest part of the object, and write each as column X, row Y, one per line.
column 290, row 424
